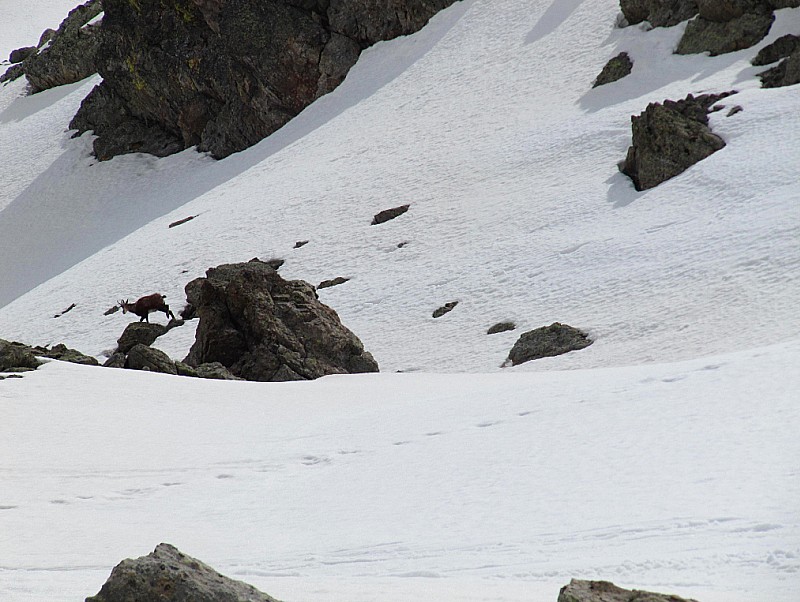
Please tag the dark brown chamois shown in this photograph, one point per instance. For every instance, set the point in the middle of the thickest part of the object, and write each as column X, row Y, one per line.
column 145, row 305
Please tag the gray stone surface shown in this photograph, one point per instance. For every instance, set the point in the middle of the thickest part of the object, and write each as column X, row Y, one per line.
column 785, row 73
column 169, row 575
column 721, row 37
column 615, row 69
column 547, row 341
column 17, row 357
column 659, row 13
column 389, row 214
column 137, row 333
column 223, row 74
column 63, row 353
column 142, row 357
column 604, row 591
column 669, row 138
column 781, row 48
column 262, row 327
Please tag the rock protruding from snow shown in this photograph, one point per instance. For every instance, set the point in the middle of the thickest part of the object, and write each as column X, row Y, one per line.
column 728, row 31
column 17, row 357
column 785, row 73
column 222, row 75
column 66, row 56
column 604, row 591
column 669, row 138
column 136, row 333
column 168, row 574
column 660, row 13
column 615, row 69
column 389, row 214
column 264, row 328
column 142, row 357
column 547, row 341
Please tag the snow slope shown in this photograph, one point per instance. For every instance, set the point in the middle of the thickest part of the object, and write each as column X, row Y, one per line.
column 649, row 472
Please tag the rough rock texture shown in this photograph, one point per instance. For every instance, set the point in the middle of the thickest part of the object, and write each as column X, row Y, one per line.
column 264, row 328
column 66, row 56
column 660, row 13
column 603, row 591
column 333, row 282
column 136, row 333
column 389, row 214
column 501, row 327
column 670, row 138
column 781, row 48
column 223, row 74
column 444, row 309
column 142, row 357
column 720, row 37
column 615, row 69
column 168, row 574
column 16, row 357
column 547, row 341
column 65, row 354
column 785, row 73
column 20, row 54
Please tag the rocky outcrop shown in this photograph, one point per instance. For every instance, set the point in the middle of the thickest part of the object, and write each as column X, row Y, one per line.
column 660, row 13
column 547, row 341
column 444, row 309
column 501, row 327
column 389, row 214
column 65, row 56
column 16, row 357
column 168, row 574
column 786, row 73
column 669, row 138
column 604, row 591
column 137, row 333
column 723, row 36
column 615, row 69
column 142, row 357
column 223, row 74
column 264, row 328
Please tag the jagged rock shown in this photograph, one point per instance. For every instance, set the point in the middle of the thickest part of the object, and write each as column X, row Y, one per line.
column 20, row 54
column 670, row 138
column 784, row 3
column 262, row 327
column 17, row 357
column 547, row 341
column 389, row 214
column 142, row 357
column 223, row 74
column 501, row 327
column 604, row 591
column 785, row 73
column 65, row 354
column 116, row 360
column 446, row 308
column 300, row 243
column 168, row 574
column 779, row 49
column 215, row 371
column 66, row 55
column 720, row 37
column 660, row 13
column 137, row 333
column 332, row 282
column 615, row 69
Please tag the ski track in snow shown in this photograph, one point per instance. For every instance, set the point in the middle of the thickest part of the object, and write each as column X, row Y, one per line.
column 678, row 477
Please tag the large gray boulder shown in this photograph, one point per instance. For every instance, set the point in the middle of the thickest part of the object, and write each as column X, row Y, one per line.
column 660, row 13
column 262, row 327
column 223, row 74
column 720, row 37
column 64, row 56
column 547, row 341
column 136, row 333
column 142, row 357
column 785, row 73
column 17, row 357
column 168, row 574
column 604, row 591
column 615, row 69
column 669, row 138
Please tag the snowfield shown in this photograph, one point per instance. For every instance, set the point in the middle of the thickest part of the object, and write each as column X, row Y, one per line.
column 665, row 456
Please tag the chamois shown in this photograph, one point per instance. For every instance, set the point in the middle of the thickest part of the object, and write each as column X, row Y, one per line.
column 145, row 305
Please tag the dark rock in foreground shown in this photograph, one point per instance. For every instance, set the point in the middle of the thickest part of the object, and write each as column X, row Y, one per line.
column 615, row 69
column 721, row 37
column 785, row 73
column 63, row 353
column 547, row 341
column 670, row 138
column 604, row 591
column 168, row 574
column 16, row 357
column 781, row 48
column 142, row 357
column 223, row 74
column 135, row 333
column 264, row 328
column 389, row 214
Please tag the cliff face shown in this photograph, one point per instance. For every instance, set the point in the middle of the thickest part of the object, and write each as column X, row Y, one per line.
column 223, row 74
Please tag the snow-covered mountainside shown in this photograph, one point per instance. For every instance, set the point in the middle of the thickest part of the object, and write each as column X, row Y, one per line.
column 662, row 456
